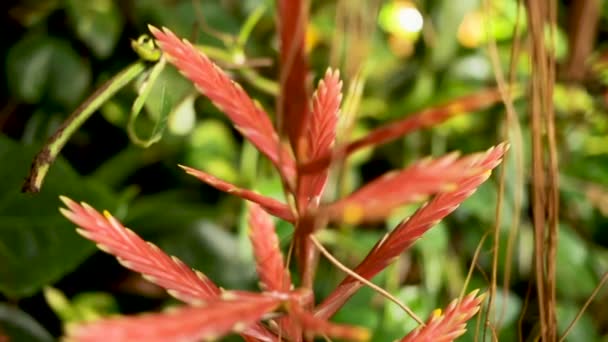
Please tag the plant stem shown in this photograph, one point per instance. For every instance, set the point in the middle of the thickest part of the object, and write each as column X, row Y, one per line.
column 45, row 158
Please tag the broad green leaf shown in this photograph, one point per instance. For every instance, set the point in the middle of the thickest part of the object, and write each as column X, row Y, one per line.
column 212, row 250
column 27, row 64
column 177, row 210
column 41, row 65
column 573, row 263
column 433, row 248
column 213, row 149
column 19, row 326
column 69, row 75
column 176, row 85
column 397, row 323
column 37, row 245
column 98, row 23
column 584, row 330
column 182, row 119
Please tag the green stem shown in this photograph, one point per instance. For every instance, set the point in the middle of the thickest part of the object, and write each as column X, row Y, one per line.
column 139, row 103
column 247, row 28
column 50, row 151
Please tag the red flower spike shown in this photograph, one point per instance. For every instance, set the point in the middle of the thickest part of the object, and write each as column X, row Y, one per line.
column 140, row 256
column 410, row 230
column 292, row 17
column 451, row 324
column 378, row 198
column 271, row 205
column 272, row 271
column 427, row 118
column 415, row 121
column 247, row 116
column 320, row 136
column 191, row 323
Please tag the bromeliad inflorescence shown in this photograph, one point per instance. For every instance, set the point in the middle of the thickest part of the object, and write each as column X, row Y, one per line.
column 285, row 311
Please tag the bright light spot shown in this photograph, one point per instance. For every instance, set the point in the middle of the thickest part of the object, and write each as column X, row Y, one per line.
column 409, row 18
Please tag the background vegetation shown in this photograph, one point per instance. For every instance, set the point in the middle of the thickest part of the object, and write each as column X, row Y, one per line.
column 58, row 52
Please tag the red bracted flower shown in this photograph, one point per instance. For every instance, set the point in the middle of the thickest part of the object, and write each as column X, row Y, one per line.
column 281, row 311
column 449, row 325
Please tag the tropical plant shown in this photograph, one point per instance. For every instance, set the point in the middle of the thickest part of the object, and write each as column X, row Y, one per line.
column 285, row 310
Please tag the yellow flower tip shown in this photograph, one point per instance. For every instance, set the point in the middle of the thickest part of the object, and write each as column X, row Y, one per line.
column 107, row 214
column 455, row 108
column 436, row 313
column 228, row 295
column 449, row 187
column 352, row 214
column 363, row 335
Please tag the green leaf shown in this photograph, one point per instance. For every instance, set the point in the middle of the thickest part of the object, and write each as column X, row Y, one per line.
column 85, row 306
column 449, row 15
column 213, row 149
column 40, row 65
column 27, row 64
column 573, row 263
column 433, row 248
column 37, row 245
column 98, row 23
column 19, row 326
column 584, row 330
column 69, row 75
column 165, row 107
column 176, row 209
column 214, row 251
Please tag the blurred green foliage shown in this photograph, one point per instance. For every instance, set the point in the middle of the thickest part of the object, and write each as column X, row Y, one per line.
column 58, row 52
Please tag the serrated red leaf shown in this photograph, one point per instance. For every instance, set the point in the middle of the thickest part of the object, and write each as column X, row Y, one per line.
column 140, row 256
column 271, row 205
column 320, row 137
column 273, row 273
column 292, row 18
column 211, row 321
column 428, row 117
column 378, row 198
column 448, row 326
column 247, row 116
column 410, row 230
